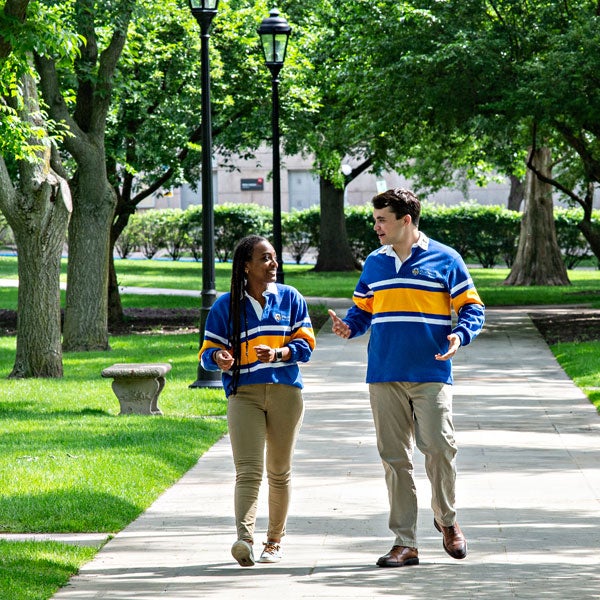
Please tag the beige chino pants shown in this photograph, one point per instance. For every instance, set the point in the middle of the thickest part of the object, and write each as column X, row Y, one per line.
column 405, row 414
column 263, row 419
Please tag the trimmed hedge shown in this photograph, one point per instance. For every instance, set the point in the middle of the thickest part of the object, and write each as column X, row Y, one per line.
column 300, row 231
column 487, row 235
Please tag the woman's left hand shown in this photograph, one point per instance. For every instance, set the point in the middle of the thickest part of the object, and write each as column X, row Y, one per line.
column 265, row 353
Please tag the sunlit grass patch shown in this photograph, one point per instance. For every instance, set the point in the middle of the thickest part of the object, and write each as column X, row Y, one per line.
column 34, row 570
column 581, row 361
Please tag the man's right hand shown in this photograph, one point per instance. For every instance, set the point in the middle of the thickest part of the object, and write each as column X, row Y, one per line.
column 339, row 327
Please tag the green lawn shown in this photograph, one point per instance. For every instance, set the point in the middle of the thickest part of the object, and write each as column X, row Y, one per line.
column 68, row 463
column 585, row 283
column 581, row 362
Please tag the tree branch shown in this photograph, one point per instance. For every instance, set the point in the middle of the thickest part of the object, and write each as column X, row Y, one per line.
column 85, row 64
column 94, row 93
column 57, row 107
column 358, row 170
column 591, row 165
column 109, row 59
column 7, row 190
column 195, row 136
column 545, row 179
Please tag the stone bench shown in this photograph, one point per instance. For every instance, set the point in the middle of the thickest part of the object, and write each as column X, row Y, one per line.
column 137, row 386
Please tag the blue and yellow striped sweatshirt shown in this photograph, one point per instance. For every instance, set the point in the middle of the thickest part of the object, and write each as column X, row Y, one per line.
column 409, row 311
column 285, row 322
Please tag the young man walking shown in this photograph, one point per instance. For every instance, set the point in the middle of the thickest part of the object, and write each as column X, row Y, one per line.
column 405, row 295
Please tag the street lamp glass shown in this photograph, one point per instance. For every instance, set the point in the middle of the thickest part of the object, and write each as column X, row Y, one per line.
column 274, row 47
column 201, row 5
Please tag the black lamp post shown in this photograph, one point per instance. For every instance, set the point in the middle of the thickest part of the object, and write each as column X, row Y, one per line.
column 274, row 34
column 204, row 11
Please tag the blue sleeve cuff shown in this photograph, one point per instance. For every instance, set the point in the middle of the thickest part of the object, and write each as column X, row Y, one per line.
column 208, row 360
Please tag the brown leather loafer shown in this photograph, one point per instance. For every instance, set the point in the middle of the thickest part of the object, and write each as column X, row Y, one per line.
column 454, row 540
column 399, row 556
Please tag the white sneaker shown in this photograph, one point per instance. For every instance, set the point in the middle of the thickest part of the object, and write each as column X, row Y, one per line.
column 243, row 553
column 272, row 553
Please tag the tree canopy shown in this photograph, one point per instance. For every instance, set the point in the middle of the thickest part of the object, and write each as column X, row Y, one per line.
column 437, row 90
column 445, row 90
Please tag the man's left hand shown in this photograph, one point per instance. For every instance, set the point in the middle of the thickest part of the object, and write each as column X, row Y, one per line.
column 454, row 345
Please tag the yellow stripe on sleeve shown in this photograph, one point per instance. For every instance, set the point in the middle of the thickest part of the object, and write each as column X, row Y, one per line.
column 306, row 333
column 467, row 297
column 365, row 304
column 207, row 345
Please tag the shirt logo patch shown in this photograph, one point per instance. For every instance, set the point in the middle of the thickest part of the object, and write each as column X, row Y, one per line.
column 277, row 317
column 415, row 271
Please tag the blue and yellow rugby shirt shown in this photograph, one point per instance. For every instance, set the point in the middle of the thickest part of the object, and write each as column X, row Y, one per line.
column 409, row 310
column 284, row 322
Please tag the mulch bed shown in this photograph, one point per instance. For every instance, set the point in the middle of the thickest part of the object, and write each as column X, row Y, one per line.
column 554, row 327
column 155, row 320
column 137, row 320
column 8, row 322
column 568, row 327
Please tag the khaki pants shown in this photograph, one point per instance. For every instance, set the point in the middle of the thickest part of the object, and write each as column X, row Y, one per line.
column 405, row 413
column 259, row 416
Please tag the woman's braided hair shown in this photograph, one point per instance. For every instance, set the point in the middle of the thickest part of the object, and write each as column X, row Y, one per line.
column 237, row 307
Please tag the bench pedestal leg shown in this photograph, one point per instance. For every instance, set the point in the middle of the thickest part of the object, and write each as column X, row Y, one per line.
column 138, row 396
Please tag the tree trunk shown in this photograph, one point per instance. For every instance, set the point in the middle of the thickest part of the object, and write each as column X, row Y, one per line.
column 592, row 236
column 116, row 315
column 516, row 194
column 86, row 311
column 115, row 306
column 38, row 212
column 123, row 212
column 94, row 199
column 538, row 260
column 590, row 231
column 334, row 250
column 39, row 351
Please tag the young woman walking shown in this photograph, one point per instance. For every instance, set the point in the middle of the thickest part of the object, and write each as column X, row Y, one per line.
column 256, row 334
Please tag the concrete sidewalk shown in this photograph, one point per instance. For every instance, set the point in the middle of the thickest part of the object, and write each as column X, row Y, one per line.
column 528, row 495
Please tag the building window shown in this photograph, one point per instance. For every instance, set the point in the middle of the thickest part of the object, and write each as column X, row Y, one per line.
column 303, row 189
column 190, row 197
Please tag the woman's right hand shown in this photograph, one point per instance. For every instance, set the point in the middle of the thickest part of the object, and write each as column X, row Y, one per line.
column 224, row 360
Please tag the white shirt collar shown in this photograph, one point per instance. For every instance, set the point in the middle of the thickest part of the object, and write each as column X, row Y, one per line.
column 388, row 249
column 271, row 289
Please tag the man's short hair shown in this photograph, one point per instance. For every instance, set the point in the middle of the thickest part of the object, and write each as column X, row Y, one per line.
column 401, row 202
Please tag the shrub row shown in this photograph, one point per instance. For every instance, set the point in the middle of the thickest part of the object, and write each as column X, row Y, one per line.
column 487, row 235
column 179, row 232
